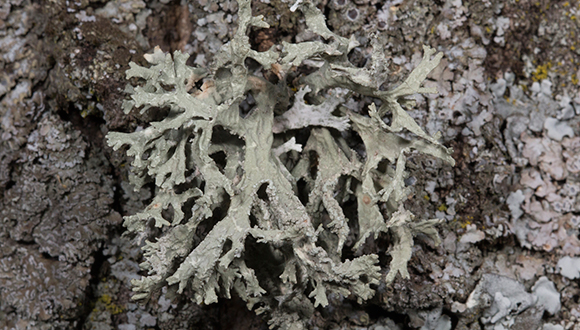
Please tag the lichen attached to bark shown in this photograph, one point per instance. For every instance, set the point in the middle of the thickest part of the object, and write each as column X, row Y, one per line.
column 231, row 214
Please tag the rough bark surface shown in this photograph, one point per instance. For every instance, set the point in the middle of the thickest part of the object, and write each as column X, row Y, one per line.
column 508, row 104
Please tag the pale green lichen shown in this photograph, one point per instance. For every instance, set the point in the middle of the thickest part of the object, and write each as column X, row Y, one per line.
column 228, row 207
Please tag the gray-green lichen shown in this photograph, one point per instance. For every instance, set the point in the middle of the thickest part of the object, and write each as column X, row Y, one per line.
column 232, row 208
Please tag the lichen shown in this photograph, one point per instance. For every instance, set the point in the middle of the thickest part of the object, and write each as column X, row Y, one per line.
column 240, row 206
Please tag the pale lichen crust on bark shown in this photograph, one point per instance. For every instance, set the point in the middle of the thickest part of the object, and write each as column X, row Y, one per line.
column 227, row 206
